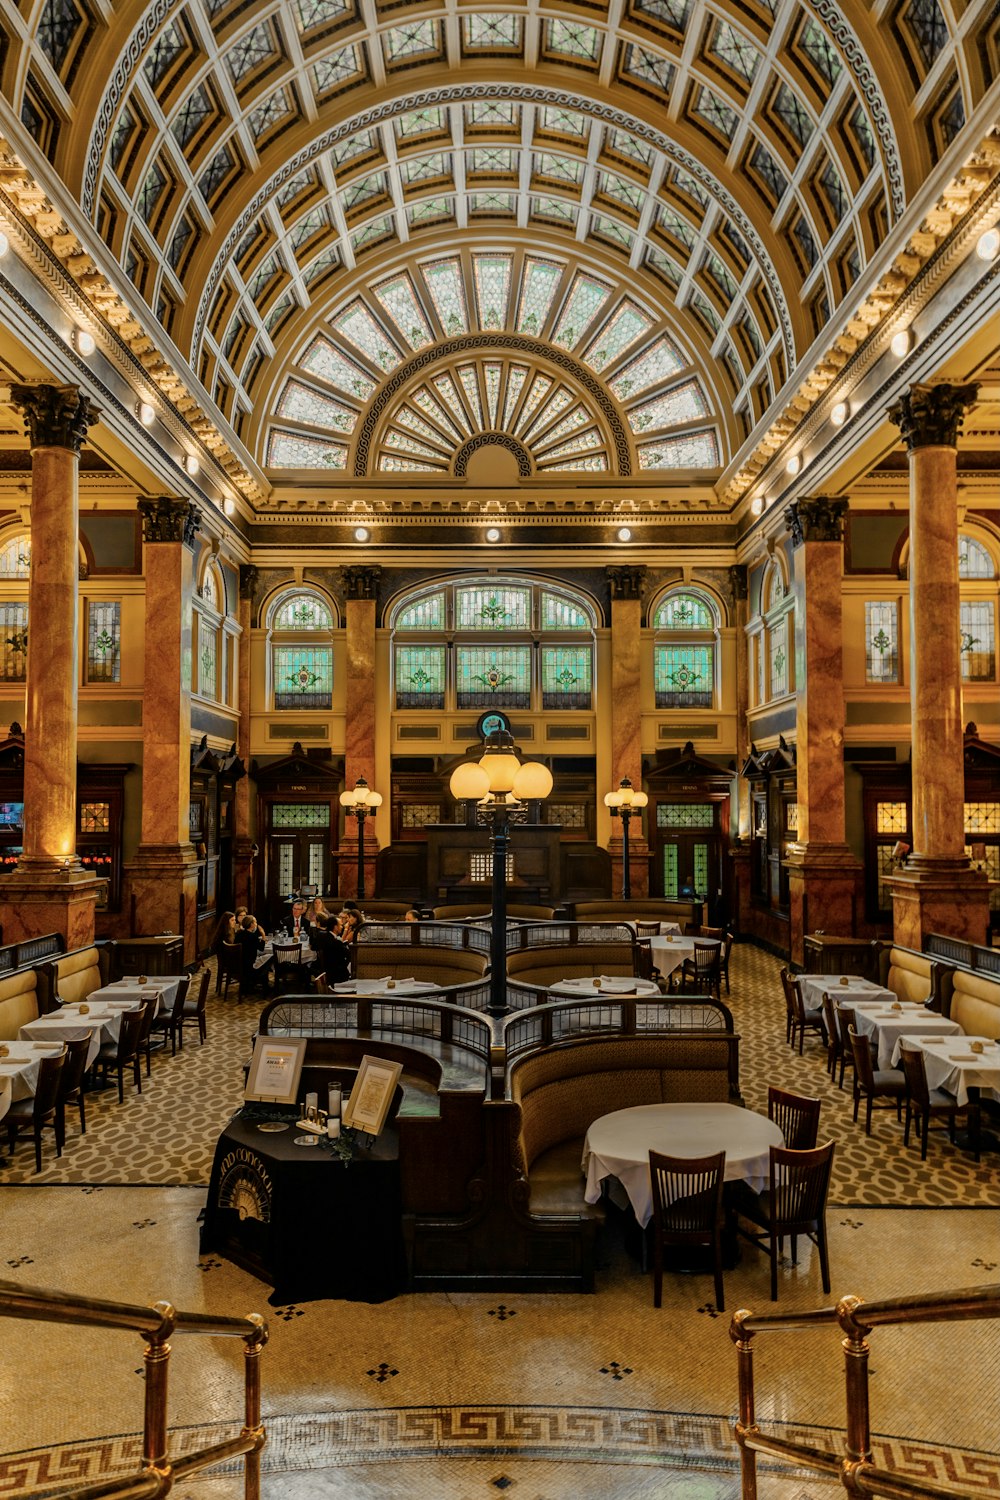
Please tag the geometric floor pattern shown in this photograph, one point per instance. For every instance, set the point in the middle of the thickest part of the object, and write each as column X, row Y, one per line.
column 466, row 1394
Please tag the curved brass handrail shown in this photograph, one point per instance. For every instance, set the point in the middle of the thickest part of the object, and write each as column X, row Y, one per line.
column 855, row 1318
column 158, row 1324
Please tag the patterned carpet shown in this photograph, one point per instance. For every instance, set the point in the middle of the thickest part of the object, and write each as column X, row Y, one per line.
column 167, row 1136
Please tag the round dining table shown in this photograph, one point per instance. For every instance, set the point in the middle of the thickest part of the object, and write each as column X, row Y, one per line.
column 618, row 1145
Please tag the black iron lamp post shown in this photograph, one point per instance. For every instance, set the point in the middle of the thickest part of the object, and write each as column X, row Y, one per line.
column 501, row 786
column 360, row 802
column 622, row 804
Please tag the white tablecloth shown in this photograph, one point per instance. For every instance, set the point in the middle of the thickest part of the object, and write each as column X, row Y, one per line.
column 267, row 953
column 382, row 987
column 618, row 1145
column 887, row 1026
column 103, row 1021
column 670, row 952
column 610, row 985
column 856, row 989
column 19, row 1069
column 949, row 1064
column 664, row 929
column 165, row 985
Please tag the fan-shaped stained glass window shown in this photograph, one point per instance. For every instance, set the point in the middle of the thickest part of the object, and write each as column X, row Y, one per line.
column 685, row 612
column 15, row 557
column 974, row 561
column 302, row 612
column 559, row 613
column 684, row 669
column 484, row 607
column 427, row 613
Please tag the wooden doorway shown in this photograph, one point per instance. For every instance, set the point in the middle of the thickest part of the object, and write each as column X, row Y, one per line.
column 688, row 832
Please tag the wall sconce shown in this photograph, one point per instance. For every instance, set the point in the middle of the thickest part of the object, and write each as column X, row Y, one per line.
column 757, row 505
column 988, row 244
column 624, row 533
column 361, row 534
column 83, row 342
column 493, row 533
column 839, row 414
column 229, row 506
column 147, row 413
column 191, row 464
column 900, row 342
column 793, row 465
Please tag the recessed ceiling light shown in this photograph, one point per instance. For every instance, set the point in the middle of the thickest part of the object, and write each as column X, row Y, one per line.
column 147, row 414
column 793, row 465
column 901, row 341
column 192, row 463
column 83, row 342
column 624, row 533
column 988, row 244
column 229, row 505
column 493, row 533
column 757, row 505
column 839, row 414
column 361, row 534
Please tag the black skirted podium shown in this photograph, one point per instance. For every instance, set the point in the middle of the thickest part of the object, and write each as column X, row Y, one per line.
column 304, row 1220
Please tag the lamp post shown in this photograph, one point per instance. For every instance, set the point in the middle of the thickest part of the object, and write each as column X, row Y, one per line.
column 622, row 804
column 500, row 785
column 358, row 802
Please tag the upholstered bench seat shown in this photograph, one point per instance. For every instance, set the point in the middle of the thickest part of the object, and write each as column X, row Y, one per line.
column 556, row 1183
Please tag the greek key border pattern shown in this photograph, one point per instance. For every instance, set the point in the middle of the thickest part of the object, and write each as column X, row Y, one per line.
column 525, row 94
column 492, row 440
column 559, row 357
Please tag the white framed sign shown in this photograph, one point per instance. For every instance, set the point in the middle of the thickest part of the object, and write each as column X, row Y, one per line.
column 275, row 1069
column 371, row 1094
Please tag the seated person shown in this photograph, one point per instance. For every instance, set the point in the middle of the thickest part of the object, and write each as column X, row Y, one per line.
column 251, row 940
column 225, row 931
column 297, row 927
column 350, row 922
column 314, row 911
column 333, row 957
column 412, row 915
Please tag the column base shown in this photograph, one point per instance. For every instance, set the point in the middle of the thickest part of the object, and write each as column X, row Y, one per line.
column 946, row 896
column 49, row 896
column 161, row 893
column 824, row 890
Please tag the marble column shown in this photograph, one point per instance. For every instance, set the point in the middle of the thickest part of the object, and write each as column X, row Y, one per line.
column 823, row 873
column 739, row 850
column 243, row 840
column 50, row 891
column 626, row 721
column 938, row 890
column 361, row 584
column 162, row 879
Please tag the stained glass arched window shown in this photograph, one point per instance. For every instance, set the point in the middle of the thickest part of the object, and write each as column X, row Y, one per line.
column 301, row 652
column 974, row 560
column 684, row 655
column 15, row 557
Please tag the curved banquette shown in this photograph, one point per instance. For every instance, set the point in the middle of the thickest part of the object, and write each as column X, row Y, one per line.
column 642, row 909
column 546, row 966
column 444, row 966
column 519, row 910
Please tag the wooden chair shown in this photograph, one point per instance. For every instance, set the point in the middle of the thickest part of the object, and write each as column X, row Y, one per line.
column 687, row 1210
column 796, row 1116
column 926, row 1104
column 703, row 972
column 71, row 1082
column 846, row 1021
column 230, row 962
column 646, row 929
column 805, row 1020
column 43, row 1109
column 289, row 972
column 148, row 1014
column 834, row 1041
column 794, row 1204
column 873, row 1083
column 123, row 1053
column 727, row 948
column 194, row 1006
column 790, row 1021
column 171, row 1023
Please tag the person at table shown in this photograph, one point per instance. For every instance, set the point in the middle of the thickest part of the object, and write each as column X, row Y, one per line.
column 350, row 921
column 297, row 922
column 333, row 957
column 225, row 931
column 412, row 915
column 314, row 911
column 251, row 940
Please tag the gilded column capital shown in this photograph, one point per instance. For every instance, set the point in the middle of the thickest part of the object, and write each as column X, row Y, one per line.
column 626, row 582
column 55, row 416
column 930, row 416
column 248, row 580
column 166, row 519
column 361, row 582
column 816, row 518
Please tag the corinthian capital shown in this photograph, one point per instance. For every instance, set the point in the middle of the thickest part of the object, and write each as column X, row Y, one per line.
column 165, row 519
column 930, row 416
column 361, row 582
column 626, row 582
column 56, row 416
column 816, row 518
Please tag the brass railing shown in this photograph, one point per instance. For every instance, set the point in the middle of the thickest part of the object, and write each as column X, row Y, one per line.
column 158, row 1324
column 856, row 1319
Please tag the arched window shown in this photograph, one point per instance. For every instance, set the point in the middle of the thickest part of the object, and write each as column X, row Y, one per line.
column 15, row 566
column 493, row 642
column 685, row 651
column 977, row 572
column 15, row 557
column 774, row 645
column 210, row 666
column 301, row 651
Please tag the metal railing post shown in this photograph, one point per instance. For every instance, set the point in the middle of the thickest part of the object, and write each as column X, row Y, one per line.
column 156, row 1358
column 743, row 1339
column 856, row 1351
column 252, row 1349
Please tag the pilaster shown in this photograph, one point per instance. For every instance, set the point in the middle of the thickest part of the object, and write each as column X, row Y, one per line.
column 626, row 584
column 361, row 586
column 243, row 841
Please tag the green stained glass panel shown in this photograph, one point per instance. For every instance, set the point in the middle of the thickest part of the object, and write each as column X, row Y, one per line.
column 419, row 122
column 208, row 643
column 303, row 677
column 563, row 121
column 104, row 640
column 685, row 815
column 701, row 870
column 685, row 403
column 443, row 279
column 420, row 676
column 627, row 324
column 683, row 676
column 302, row 612
column 491, row 277
column 684, row 612
column 561, row 614
column 538, row 288
column 300, row 815
column 881, row 641
column 483, row 608
column 660, row 361
column 586, row 298
column 303, row 404
column 488, row 676
column 287, row 450
column 566, row 676
column 357, row 325
column 416, row 39
column 670, row 881
column 699, row 450
column 323, row 359
column 424, row 614
column 572, row 39
column 399, row 299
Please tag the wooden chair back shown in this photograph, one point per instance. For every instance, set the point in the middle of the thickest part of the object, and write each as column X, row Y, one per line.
column 796, row 1116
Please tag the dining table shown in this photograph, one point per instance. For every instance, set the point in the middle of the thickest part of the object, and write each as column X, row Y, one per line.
column 593, row 987
column 886, row 1024
column 102, row 1020
column 669, row 951
column 386, row 986
column 951, row 1064
column 131, row 989
column 19, row 1069
column 618, row 1144
column 843, row 987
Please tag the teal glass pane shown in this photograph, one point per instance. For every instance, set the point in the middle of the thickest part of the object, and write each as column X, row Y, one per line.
column 881, row 641
column 303, row 677
column 538, row 288
column 561, row 614
column 104, row 641
column 302, row 612
column 491, row 278
column 420, row 676
column 670, row 884
column 14, row 639
column 484, row 608
column 683, row 676
column 779, row 663
column 443, row 279
column 566, row 676
column 493, row 676
column 978, row 655
column 701, row 870
column 300, row 815
column 685, row 815
column 423, row 614
column 684, row 612
column 208, row 644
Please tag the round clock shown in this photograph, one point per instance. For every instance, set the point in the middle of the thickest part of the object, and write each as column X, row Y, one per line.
column 490, row 721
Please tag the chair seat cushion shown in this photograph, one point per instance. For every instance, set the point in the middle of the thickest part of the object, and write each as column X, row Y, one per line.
column 889, row 1080
column 557, row 1184
column 941, row 1099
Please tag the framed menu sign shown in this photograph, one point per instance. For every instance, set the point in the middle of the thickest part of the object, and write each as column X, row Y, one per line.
column 371, row 1094
column 275, row 1069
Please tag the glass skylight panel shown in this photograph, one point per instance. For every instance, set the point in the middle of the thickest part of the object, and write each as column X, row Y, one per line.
column 326, row 360
column 675, row 224
column 610, row 185
column 492, row 203
column 310, row 13
column 720, row 275
column 415, row 39
column 178, row 243
column 580, row 442
column 564, row 121
column 491, row 278
column 928, row 26
column 121, row 135
column 496, row 112
column 250, row 51
column 952, row 117
column 586, row 298
column 705, row 310
column 648, row 67
column 359, row 143
column 834, row 190
column 572, row 39
column 168, row 45
column 279, row 311
column 748, row 328
column 402, row 441
column 417, row 122
column 698, row 450
column 571, row 423
column 425, row 168
column 197, row 107
column 320, row 264
column 816, row 44
column 674, row 12
column 265, row 274
column 379, row 229
column 538, row 389
column 291, row 191
column 806, row 243
column 398, row 297
column 610, row 229
column 685, row 403
column 357, row 325
column 516, row 376
column 493, row 159
column 715, row 112
column 443, row 279
column 627, row 324
column 559, row 168
column 430, row 210
column 624, row 144
column 149, row 194
column 660, row 361
column 275, row 108
column 554, row 208
column 364, row 189
column 448, row 422
column 390, row 463
column 332, row 72
column 492, row 32
column 55, row 29
column 735, row 50
column 448, row 393
column 690, row 186
column 468, row 379
column 664, row 265
column 302, row 404
column 539, row 284
column 592, row 463
column 731, row 233
column 556, row 403
column 861, row 126
column 492, row 374
column 793, row 113
column 290, row 450
column 311, row 223
column 765, row 165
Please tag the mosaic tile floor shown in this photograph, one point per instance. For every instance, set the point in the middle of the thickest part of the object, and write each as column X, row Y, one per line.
column 463, row 1394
